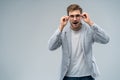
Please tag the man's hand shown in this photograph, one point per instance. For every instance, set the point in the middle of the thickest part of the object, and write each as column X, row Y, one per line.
column 63, row 22
column 86, row 18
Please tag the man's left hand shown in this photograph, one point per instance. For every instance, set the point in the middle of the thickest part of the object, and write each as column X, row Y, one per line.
column 86, row 18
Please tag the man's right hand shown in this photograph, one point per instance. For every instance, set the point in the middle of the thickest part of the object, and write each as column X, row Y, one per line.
column 63, row 22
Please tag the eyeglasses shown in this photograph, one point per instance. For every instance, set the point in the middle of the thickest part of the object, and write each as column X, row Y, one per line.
column 76, row 16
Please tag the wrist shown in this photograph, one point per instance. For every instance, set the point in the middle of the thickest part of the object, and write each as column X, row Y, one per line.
column 91, row 23
column 61, row 28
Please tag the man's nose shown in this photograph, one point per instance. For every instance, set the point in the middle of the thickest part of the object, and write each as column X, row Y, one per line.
column 75, row 18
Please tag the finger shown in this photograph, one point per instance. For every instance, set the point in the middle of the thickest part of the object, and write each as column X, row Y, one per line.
column 84, row 16
column 66, row 18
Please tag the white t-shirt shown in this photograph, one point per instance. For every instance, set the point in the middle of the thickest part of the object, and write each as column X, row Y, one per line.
column 78, row 67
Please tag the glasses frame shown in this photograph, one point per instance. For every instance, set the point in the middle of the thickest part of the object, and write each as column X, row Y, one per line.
column 76, row 16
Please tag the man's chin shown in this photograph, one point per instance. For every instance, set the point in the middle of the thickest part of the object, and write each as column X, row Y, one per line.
column 74, row 25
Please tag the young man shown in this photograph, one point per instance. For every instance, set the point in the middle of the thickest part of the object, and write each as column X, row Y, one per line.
column 78, row 62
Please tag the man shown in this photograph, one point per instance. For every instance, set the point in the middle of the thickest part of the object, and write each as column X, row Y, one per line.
column 78, row 62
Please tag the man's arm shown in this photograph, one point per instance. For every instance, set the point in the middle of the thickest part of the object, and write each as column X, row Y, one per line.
column 56, row 41
column 98, row 33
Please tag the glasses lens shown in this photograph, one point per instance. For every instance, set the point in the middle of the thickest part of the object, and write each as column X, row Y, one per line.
column 76, row 16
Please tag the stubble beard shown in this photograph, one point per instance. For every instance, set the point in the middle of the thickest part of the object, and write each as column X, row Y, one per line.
column 76, row 26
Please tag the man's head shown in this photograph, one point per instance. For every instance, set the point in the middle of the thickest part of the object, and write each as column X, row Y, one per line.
column 74, row 12
column 73, row 7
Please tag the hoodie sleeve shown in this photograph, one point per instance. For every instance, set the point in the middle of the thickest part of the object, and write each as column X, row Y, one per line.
column 55, row 40
column 99, row 35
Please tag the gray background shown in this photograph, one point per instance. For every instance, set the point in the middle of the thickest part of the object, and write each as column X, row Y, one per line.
column 26, row 26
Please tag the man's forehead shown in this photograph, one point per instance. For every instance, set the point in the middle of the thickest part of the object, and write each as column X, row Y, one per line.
column 74, row 12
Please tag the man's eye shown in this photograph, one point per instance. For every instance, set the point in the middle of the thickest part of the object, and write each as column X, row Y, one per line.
column 71, row 16
column 77, row 15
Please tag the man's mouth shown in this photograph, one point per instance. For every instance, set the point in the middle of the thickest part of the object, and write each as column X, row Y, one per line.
column 75, row 22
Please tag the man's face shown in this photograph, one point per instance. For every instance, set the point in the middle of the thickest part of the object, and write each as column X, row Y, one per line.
column 75, row 18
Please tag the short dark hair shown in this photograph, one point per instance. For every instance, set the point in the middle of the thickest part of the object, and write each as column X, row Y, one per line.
column 73, row 7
